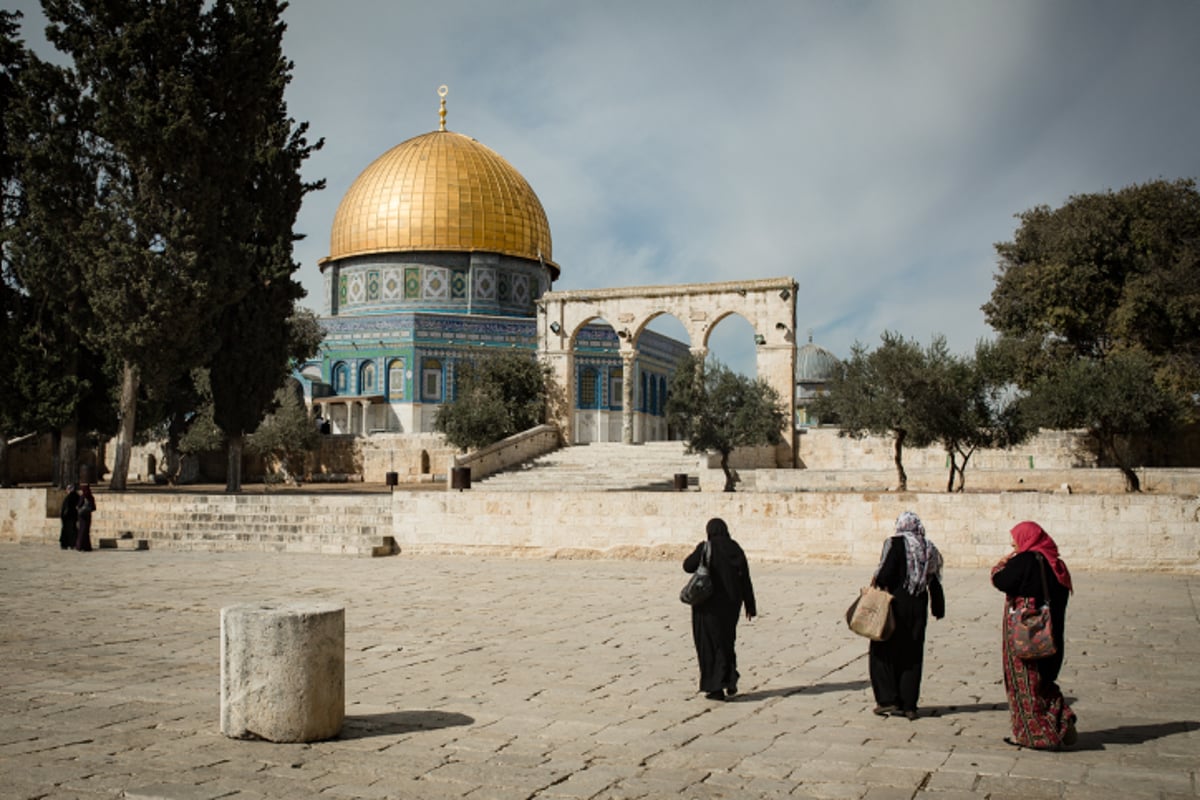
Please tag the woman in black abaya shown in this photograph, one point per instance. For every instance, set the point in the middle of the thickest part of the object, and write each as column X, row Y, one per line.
column 69, row 514
column 911, row 569
column 714, row 622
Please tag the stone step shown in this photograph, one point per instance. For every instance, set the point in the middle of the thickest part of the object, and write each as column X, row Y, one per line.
column 123, row 544
column 603, row 466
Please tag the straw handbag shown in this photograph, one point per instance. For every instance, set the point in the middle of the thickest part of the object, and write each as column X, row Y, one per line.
column 871, row 614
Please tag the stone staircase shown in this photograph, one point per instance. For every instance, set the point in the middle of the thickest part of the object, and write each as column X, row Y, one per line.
column 350, row 524
column 599, row 467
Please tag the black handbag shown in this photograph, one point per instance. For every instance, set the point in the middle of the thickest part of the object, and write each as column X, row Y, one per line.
column 700, row 586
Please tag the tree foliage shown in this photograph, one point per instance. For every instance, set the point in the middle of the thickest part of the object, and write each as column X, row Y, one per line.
column 287, row 435
column 1108, row 276
column 716, row 409
column 500, row 394
column 59, row 382
column 887, row 391
column 973, row 404
column 1113, row 398
column 197, row 186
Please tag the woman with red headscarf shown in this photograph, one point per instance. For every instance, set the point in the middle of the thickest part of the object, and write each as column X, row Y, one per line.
column 1041, row 718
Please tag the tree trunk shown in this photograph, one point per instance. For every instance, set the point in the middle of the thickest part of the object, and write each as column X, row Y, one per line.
column 899, row 450
column 962, row 468
column 4, row 481
column 233, row 464
column 953, row 471
column 68, row 455
column 728, row 472
column 128, row 413
column 56, row 468
column 1109, row 442
column 1132, row 483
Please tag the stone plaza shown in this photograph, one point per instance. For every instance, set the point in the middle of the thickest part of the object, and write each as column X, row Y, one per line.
column 495, row 677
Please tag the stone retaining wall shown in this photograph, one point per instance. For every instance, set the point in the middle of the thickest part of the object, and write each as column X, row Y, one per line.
column 1095, row 532
column 1101, row 532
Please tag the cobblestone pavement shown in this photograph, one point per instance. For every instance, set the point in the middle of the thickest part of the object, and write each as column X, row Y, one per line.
column 511, row 678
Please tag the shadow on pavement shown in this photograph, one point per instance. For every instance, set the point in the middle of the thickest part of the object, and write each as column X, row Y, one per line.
column 398, row 722
column 816, row 688
column 1132, row 734
column 962, row 708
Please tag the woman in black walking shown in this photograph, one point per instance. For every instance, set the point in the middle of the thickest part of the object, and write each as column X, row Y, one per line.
column 714, row 622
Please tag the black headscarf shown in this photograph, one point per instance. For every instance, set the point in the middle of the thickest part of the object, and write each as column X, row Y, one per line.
column 716, row 528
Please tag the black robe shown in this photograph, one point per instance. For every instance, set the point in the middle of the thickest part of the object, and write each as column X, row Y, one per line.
column 1021, row 577
column 83, row 541
column 69, row 514
column 714, row 622
column 896, row 664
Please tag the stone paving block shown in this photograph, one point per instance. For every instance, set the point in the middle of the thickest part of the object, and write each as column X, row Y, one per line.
column 1009, row 786
column 894, row 776
column 177, row 791
column 887, row 793
column 429, row 788
column 832, row 790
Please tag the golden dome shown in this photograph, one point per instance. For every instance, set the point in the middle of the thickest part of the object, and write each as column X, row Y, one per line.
column 441, row 191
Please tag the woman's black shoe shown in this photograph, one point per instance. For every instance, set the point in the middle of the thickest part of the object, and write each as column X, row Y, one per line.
column 715, row 696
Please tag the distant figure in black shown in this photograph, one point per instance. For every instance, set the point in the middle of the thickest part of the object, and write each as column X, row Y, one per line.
column 69, row 513
column 87, row 504
column 714, row 622
column 911, row 569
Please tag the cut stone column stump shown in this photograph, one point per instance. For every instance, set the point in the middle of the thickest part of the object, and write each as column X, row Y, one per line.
column 283, row 671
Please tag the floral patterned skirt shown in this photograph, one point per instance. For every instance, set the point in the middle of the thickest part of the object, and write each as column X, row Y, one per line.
column 1040, row 715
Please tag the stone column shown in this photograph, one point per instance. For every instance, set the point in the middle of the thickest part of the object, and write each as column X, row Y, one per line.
column 776, row 364
column 627, row 358
column 283, row 671
column 561, row 399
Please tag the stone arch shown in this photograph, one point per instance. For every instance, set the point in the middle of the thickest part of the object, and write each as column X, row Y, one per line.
column 769, row 305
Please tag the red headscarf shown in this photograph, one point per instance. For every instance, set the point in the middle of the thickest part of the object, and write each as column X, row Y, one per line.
column 1029, row 536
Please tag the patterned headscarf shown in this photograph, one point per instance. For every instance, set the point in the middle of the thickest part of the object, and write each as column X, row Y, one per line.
column 1029, row 536
column 923, row 556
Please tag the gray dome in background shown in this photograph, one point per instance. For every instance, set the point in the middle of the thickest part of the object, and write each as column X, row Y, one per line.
column 815, row 364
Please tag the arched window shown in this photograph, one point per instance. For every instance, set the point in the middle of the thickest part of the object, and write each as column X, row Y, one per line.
column 366, row 378
column 341, row 378
column 396, row 379
column 431, row 380
column 587, row 389
column 616, row 389
column 643, row 402
column 662, row 395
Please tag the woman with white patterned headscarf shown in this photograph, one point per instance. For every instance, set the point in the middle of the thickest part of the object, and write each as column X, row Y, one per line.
column 911, row 569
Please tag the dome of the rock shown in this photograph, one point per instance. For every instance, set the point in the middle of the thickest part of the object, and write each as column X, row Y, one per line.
column 441, row 192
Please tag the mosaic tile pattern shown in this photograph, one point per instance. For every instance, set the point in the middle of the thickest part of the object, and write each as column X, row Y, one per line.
column 412, row 283
column 485, row 283
column 356, row 292
column 393, row 284
column 436, row 283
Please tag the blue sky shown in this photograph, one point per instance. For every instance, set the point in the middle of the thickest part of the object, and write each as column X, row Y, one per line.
column 874, row 151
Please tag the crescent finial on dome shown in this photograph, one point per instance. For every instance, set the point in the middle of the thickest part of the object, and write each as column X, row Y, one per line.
column 443, row 90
